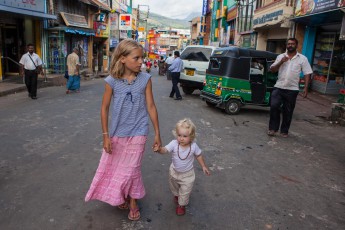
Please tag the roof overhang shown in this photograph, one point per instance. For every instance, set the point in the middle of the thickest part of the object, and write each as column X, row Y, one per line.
column 35, row 14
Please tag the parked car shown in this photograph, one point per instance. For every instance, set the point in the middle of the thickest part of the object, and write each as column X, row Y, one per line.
column 195, row 62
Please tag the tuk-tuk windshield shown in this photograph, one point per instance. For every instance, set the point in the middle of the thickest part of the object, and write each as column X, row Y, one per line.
column 196, row 54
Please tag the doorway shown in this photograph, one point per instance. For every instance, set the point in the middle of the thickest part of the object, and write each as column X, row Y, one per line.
column 10, row 50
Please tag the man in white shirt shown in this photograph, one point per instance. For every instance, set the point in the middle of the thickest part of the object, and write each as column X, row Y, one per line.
column 30, row 66
column 283, row 98
column 168, row 63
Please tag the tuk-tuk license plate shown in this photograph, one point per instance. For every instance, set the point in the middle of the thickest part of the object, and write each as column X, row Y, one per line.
column 190, row 72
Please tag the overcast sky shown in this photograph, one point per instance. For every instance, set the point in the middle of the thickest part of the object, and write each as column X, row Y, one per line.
column 171, row 8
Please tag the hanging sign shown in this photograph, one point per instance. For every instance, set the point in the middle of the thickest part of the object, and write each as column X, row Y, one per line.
column 125, row 22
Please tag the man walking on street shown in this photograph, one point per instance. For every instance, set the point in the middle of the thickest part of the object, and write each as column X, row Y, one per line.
column 30, row 67
column 283, row 98
column 73, row 65
column 168, row 63
column 175, row 68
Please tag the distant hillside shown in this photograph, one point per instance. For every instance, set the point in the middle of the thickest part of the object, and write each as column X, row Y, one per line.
column 161, row 22
column 192, row 15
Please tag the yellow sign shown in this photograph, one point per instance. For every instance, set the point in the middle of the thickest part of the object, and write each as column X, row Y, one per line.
column 141, row 29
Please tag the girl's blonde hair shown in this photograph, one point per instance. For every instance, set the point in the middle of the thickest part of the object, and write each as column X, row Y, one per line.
column 125, row 47
column 185, row 123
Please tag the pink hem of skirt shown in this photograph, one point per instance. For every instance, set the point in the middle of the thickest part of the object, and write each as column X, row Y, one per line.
column 118, row 175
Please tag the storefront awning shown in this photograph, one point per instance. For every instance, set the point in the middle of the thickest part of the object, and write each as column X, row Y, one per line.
column 74, row 30
column 28, row 12
column 329, row 17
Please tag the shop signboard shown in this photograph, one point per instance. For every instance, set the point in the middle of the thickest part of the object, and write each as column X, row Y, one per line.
column 274, row 16
column 102, row 29
column 114, row 21
column 31, row 5
column 305, row 7
column 125, row 22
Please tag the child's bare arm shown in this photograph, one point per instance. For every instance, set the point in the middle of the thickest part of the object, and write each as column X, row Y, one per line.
column 201, row 161
column 160, row 150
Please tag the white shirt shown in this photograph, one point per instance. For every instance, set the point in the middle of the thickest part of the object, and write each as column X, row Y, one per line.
column 290, row 71
column 169, row 60
column 28, row 64
column 182, row 165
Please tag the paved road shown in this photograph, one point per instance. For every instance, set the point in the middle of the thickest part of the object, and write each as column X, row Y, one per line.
column 50, row 149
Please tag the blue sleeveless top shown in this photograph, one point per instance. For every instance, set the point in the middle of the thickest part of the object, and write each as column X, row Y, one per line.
column 129, row 116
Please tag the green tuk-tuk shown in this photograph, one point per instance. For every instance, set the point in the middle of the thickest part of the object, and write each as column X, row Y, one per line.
column 237, row 76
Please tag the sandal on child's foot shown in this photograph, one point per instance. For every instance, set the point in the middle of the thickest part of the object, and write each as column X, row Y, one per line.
column 180, row 210
column 134, row 214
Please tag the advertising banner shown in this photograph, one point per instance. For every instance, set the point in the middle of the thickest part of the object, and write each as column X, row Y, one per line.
column 102, row 29
column 125, row 22
column 305, row 7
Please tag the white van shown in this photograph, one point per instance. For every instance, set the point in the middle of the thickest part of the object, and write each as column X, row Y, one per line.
column 195, row 62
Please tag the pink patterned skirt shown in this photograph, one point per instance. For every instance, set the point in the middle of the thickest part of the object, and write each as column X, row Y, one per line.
column 119, row 174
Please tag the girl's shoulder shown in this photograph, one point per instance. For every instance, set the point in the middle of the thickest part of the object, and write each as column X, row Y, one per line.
column 145, row 77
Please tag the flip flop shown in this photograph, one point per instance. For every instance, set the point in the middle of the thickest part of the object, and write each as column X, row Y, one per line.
column 125, row 205
column 132, row 214
column 271, row 132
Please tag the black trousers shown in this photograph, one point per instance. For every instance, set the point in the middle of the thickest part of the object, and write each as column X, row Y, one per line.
column 31, row 82
column 282, row 101
column 175, row 77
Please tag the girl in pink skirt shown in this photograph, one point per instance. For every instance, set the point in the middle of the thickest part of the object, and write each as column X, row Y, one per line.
column 118, row 179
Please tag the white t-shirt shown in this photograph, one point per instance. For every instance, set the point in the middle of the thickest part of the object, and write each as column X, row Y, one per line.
column 28, row 64
column 186, row 164
column 289, row 72
column 169, row 60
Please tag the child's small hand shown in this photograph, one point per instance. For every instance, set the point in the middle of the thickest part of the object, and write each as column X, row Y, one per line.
column 156, row 148
column 206, row 171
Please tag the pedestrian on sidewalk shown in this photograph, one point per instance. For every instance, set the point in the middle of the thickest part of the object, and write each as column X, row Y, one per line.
column 283, row 98
column 181, row 172
column 118, row 180
column 30, row 67
column 73, row 65
column 175, row 68
column 168, row 63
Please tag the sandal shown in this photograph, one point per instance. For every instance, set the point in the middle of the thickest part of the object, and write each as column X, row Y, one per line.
column 284, row 135
column 134, row 214
column 271, row 132
column 125, row 205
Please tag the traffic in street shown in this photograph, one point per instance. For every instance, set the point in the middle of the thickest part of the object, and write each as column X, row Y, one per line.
column 50, row 149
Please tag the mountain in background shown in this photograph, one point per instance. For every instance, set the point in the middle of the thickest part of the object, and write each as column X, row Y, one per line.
column 162, row 22
column 192, row 15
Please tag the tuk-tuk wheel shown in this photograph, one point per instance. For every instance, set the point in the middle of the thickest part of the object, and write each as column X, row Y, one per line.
column 187, row 90
column 233, row 106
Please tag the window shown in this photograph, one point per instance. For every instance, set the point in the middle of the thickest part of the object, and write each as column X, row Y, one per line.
column 196, row 54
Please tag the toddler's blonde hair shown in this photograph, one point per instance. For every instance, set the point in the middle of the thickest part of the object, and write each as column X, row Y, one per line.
column 125, row 47
column 185, row 123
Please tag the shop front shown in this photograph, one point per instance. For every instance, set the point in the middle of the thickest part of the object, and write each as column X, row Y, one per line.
column 273, row 27
column 62, row 39
column 20, row 24
column 324, row 42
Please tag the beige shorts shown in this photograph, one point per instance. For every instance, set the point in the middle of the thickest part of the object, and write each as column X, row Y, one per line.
column 181, row 184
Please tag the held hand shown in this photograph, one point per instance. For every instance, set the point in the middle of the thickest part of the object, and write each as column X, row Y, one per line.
column 206, row 170
column 157, row 143
column 156, row 148
column 107, row 145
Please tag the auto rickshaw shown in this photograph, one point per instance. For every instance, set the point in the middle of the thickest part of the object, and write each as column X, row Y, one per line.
column 237, row 76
